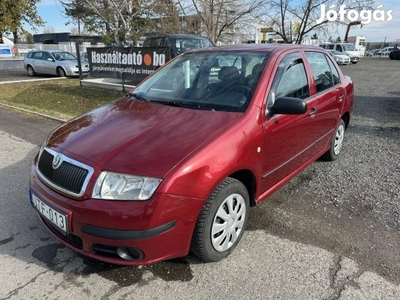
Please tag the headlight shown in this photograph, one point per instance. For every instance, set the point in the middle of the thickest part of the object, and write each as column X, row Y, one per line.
column 116, row 186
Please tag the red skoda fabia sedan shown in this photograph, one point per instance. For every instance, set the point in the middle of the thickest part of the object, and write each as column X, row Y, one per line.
column 176, row 164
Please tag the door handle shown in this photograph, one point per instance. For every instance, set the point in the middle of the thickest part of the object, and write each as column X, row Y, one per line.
column 313, row 112
column 341, row 97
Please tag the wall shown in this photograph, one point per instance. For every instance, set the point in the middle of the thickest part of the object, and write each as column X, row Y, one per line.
column 11, row 64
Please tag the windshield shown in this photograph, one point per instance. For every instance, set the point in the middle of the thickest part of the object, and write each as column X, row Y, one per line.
column 63, row 56
column 206, row 80
column 349, row 47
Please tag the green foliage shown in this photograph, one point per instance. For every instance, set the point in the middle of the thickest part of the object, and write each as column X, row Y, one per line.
column 119, row 21
column 14, row 12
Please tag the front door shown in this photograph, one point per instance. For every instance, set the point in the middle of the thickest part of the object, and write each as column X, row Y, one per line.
column 289, row 139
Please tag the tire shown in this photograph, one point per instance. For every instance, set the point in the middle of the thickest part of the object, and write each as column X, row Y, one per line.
column 336, row 142
column 221, row 222
column 31, row 71
column 61, row 72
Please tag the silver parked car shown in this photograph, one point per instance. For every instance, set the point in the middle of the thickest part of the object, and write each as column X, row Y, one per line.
column 53, row 62
column 340, row 58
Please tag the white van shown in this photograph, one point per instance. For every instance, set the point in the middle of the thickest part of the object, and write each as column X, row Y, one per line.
column 386, row 50
column 344, row 48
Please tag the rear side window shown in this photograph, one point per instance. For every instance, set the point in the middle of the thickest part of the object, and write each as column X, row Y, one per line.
column 46, row 56
column 335, row 73
column 324, row 73
column 37, row 55
column 153, row 42
column 339, row 48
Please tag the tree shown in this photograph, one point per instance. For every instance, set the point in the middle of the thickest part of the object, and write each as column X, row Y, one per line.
column 223, row 19
column 14, row 12
column 167, row 17
column 120, row 21
column 305, row 14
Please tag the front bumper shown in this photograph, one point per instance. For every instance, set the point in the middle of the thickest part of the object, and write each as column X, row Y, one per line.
column 123, row 232
column 75, row 71
column 354, row 59
column 343, row 61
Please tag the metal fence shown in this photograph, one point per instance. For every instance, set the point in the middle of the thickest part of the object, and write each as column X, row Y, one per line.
column 20, row 50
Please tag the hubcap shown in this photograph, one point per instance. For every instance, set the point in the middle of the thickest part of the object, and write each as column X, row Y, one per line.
column 338, row 140
column 228, row 222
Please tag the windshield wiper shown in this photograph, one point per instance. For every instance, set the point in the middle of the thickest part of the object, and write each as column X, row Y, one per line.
column 177, row 104
column 138, row 97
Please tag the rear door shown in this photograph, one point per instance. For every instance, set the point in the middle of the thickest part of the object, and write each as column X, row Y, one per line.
column 49, row 65
column 328, row 92
column 37, row 61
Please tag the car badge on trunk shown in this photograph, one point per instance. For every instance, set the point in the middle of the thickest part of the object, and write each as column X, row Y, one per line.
column 57, row 161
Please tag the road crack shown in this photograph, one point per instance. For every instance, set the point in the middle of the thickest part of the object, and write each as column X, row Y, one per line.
column 343, row 273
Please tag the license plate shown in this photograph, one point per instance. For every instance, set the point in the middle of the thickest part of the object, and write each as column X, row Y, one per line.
column 57, row 218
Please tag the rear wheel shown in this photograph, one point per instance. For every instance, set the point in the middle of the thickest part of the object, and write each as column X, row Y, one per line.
column 222, row 221
column 31, row 71
column 61, row 72
column 336, row 142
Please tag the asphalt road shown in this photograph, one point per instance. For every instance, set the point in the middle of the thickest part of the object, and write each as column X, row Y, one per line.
column 333, row 232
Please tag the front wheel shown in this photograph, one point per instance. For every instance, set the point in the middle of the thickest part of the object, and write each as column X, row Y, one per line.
column 336, row 142
column 222, row 221
column 61, row 72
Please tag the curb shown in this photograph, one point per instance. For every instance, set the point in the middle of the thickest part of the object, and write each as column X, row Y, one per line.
column 33, row 112
column 30, row 80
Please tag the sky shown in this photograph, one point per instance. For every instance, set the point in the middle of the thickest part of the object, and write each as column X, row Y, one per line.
column 51, row 12
column 389, row 31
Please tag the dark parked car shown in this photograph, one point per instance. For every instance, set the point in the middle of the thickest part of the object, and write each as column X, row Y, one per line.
column 178, row 43
column 176, row 164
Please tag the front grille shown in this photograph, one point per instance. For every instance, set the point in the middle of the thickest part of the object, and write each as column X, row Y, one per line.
column 70, row 176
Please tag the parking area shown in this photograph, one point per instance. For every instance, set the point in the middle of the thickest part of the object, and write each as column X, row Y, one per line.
column 18, row 75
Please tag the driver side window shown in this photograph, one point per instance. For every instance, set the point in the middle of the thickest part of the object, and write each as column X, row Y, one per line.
column 290, row 79
column 294, row 81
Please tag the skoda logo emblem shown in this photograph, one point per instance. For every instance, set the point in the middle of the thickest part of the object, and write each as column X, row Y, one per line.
column 57, row 161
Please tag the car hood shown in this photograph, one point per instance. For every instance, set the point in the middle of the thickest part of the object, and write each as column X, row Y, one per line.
column 139, row 138
column 353, row 53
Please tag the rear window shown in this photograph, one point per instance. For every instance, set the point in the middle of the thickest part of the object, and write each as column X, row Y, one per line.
column 186, row 44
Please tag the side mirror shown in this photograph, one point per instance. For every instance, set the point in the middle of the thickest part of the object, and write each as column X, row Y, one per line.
column 50, row 59
column 288, row 106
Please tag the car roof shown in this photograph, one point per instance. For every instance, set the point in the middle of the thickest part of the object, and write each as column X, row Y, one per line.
column 50, row 51
column 192, row 36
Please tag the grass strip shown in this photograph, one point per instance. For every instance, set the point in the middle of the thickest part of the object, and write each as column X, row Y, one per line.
column 62, row 99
